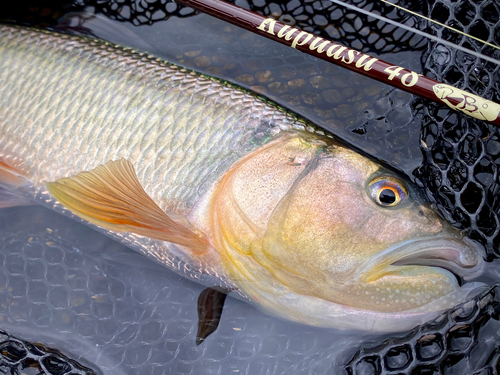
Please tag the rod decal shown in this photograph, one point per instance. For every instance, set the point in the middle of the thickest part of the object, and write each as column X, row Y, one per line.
column 351, row 59
column 468, row 103
column 339, row 52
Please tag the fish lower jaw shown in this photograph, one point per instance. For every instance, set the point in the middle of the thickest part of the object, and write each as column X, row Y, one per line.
column 317, row 312
column 461, row 258
column 271, row 296
column 446, row 258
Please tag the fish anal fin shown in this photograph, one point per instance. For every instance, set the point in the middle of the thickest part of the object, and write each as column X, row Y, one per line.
column 210, row 306
column 10, row 179
column 9, row 198
column 10, row 175
column 112, row 197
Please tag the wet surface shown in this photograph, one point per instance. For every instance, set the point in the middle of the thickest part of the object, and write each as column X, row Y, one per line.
column 100, row 303
column 71, row 288
column 19, row 356
column 459, row 342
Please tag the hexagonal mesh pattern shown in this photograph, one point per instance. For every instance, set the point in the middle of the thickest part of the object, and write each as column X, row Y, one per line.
column 459, row 171
column 138, row 12
column 20, row 357
column 358, row 31
column 461, row 154
column 46, row 12
column 324, row 18
column 448, row 345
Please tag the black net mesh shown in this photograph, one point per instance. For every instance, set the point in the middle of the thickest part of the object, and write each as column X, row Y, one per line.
column 322, row 17
column 358, row 31
column 448, row 344
column 460, row 155
column 47, row 12
column 21, row 357
column 142, row 12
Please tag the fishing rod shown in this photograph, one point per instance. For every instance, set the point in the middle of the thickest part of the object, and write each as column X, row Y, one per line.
column 422, row 33
column 393, row 75
column 426, row 34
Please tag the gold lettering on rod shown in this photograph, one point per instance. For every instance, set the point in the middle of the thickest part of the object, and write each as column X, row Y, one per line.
column 271, row 23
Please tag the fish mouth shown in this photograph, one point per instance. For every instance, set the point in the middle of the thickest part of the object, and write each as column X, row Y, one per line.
column 463, row 258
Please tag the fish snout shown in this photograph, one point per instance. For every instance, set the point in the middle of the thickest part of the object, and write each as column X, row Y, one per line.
column 460, row 257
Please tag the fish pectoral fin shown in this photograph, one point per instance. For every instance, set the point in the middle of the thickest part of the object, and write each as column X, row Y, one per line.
column 210, row 306
column 112, row 197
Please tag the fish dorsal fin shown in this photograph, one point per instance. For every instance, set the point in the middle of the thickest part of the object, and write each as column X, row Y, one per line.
column 112, row 197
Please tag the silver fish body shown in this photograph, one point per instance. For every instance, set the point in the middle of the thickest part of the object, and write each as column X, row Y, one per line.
column 69, row 104
column 80, row 102
column 291, row 217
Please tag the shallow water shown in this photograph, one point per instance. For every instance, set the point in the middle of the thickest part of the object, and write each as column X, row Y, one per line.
column 70, row 287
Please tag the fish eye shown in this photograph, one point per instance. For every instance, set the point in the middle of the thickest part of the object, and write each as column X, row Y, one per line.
column 387, row 191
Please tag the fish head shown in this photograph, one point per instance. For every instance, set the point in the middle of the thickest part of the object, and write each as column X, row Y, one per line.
column 312, row 219
column 442, row 91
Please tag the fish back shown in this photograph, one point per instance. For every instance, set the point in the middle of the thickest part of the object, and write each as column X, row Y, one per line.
column 69, row 104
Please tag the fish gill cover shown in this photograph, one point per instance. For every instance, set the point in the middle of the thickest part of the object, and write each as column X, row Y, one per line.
column 457, row 163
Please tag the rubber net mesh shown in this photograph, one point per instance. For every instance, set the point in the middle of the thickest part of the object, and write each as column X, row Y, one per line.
column 22, row 357
column 461, row 155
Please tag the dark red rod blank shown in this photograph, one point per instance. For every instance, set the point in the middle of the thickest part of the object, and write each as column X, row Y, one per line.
column 351, row 59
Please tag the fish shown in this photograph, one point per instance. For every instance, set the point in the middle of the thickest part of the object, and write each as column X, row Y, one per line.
column 222, row 186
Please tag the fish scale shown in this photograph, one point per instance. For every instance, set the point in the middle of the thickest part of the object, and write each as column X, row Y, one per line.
column 271, row 221
column 60, row 115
